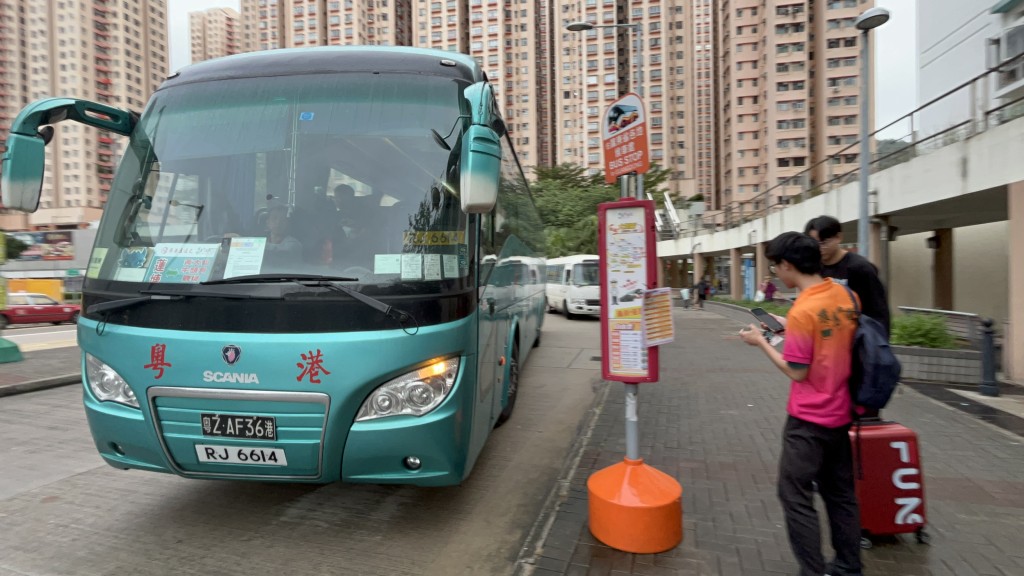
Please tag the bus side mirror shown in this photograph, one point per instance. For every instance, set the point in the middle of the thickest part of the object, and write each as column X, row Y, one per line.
column 481, row 169
column 22, row 181
column 24, row 161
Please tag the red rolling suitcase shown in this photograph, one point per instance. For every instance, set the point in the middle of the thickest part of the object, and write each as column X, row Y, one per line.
column 888, row 478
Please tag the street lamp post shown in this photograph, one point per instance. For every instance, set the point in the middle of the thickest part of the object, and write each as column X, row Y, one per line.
column 638, row 28
column 869, row 19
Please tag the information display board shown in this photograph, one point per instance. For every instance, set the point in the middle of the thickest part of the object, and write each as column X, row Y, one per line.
column 626, row 245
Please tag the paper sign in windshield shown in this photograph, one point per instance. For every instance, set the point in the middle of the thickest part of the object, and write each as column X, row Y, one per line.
column 435, row 238
column 245, row 257
column 181, row 263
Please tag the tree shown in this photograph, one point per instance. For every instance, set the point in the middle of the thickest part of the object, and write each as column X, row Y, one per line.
column 567, row 198
column 892, row 152
column 14, row 247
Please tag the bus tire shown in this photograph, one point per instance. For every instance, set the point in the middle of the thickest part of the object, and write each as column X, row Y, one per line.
column 513, row 385
column 565, row 310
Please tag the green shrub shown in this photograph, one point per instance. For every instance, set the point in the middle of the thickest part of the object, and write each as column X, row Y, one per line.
column 770, row 307
column 924, row 330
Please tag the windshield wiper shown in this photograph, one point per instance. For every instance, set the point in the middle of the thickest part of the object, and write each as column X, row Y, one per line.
column 316, row 280
column 390, row 311
column 258, row 278
column 152, row 294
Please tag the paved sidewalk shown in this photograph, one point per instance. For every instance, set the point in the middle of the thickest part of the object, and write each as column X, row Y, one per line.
column 714, row 422
column 41, row 369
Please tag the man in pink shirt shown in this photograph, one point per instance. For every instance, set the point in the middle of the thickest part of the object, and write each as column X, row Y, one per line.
column 816, row 356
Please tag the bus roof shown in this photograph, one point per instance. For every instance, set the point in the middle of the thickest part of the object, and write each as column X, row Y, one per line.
column 574, row 259
column 328, row 59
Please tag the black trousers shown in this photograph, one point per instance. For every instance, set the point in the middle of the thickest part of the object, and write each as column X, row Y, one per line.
column 815, row 454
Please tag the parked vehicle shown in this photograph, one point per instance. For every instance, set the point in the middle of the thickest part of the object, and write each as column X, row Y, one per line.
column 32, row 308
column 233, row 328
column 574, row 285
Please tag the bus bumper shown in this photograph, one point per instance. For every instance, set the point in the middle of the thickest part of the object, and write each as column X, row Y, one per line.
column 123, row 437
column 429, row 450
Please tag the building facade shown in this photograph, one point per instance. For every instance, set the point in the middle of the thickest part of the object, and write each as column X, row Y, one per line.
column 788, row 98
column 111, row 52
column 214, row 33
column 272, row 24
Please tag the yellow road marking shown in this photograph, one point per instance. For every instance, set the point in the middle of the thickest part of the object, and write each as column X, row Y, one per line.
column 48, row 345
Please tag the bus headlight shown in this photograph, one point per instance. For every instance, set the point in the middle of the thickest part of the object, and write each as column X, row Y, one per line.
column 579, row 302
column 106, row 384
column 415, row 393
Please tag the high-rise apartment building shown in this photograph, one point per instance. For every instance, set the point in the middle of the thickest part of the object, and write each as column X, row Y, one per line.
column 591, row 69
column 704, row 85
column 788, row 89
column 510, row 43
column 270, row 24
column 214, row 33
column 103, row 50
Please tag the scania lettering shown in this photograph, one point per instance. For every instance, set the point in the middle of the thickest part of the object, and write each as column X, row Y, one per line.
column 347, row 227
column 230, row 377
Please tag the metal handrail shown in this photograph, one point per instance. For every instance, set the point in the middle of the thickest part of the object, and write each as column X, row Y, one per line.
column 727, row 220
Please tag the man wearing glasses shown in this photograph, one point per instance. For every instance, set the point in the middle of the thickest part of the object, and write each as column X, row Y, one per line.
column 848, row 268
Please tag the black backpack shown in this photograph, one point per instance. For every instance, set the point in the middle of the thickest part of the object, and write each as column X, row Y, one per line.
column 875, row 371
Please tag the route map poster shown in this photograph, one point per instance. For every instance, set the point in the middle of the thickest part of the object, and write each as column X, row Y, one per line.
column 626, row 246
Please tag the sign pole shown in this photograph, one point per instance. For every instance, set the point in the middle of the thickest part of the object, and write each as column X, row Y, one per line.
column 632, row 506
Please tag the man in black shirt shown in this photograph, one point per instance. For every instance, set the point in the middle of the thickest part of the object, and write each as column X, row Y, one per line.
column 848, row 268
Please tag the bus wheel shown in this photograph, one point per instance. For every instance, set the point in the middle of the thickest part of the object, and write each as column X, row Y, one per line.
column 513, row 385
column 565, row 310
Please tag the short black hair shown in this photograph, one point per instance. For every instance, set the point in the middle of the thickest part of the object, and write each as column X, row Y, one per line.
column 798, row 249
column 826, row 227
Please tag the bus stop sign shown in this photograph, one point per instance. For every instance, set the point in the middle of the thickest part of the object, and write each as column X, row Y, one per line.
column 624, row 138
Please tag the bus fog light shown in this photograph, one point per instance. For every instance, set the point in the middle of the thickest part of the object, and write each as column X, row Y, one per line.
column 412, row 463
column 106, row 384
column 415, row 393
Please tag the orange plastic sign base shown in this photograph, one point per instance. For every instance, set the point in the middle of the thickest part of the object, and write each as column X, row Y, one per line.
column 635, row 508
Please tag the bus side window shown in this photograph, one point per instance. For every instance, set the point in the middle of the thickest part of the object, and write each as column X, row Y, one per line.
column 568, row 272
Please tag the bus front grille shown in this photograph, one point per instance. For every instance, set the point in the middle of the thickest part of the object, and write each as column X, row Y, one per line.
column 300, row 420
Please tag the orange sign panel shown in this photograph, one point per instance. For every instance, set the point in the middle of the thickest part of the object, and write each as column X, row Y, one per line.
column 624, row 136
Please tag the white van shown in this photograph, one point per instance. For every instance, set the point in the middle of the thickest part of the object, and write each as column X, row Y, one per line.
column 574, row 285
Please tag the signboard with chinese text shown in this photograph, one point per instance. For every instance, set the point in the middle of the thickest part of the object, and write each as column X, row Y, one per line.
column 658, row 327
column 626, row 244
column 181, row 263
column 624, row 138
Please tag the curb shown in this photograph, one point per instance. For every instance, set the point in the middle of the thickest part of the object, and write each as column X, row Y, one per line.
column 536, row 540
column 42, row 384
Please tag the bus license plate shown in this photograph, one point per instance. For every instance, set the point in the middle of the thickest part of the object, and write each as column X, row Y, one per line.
column 233, row 426
column 241, row 455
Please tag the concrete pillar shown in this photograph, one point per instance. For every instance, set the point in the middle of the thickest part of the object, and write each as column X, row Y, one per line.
column 761, row 263
column 736, row 274
column 942, row 271
column 662, row 276
column 698, row 268
column 1013, row 344
column 875, row 244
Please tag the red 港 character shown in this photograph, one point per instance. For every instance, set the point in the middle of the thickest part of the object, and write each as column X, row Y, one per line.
column 313, row 367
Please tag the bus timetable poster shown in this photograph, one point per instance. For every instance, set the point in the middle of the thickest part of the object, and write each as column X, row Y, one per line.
column 626, row 245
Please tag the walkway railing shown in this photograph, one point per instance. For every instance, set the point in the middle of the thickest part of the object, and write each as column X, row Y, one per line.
column 908, row 137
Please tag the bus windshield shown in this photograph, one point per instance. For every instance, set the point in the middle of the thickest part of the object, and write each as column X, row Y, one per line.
column 586, row 274
column 336, row 175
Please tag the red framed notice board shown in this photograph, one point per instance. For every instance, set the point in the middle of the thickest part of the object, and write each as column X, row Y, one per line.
column 626, row 244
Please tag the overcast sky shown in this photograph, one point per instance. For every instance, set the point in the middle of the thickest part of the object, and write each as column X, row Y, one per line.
column 895, row 50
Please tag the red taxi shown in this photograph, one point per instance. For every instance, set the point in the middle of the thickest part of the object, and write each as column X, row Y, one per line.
column 30, row 308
